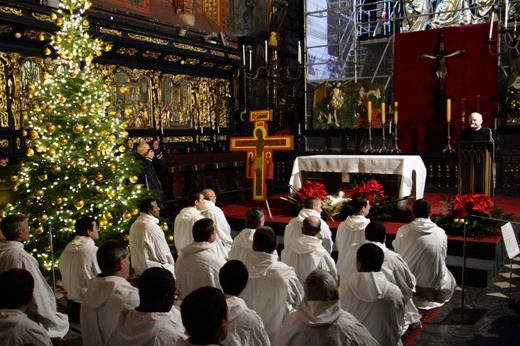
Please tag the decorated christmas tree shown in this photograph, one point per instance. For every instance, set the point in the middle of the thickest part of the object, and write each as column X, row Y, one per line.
column 76, row 164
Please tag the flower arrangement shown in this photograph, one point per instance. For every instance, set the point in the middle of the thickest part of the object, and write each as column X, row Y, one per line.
column 310, row 188
column 456, row 214
column 383, row 207
column 372, row 190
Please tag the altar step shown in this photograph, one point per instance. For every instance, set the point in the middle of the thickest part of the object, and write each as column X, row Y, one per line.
column 479, row 272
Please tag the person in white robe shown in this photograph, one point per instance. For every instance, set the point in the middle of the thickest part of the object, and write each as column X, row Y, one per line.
column 306, row 253
column 223, row 240
column 245, row 327
column 154, row 321
column 423, row 245
column 148, row 246
column 205, row 315
column 319, row 319
column 350, row 232
column 43, row 309
column 243, row 242
column 394, row 267
column 107, row 294
column 198, row 265
column 311, row 207
column 78, row 264
column 376, row 302
column 183, row 224
column 16, row 294
column 273, row 290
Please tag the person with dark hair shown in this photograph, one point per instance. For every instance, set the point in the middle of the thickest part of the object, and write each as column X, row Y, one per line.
column 148, row 246
column 204, row 314
column 43, row 309
column 293, row 230
column 273, row 289
column 155, row 321
column 394, row 268
column 424, row 246
column 350, row 232
column 376, row 302
column 319, row 319
column 159, row 162
column 107, row 294
column 78, row 264
column 223, row 239
column 243, row 242
column 16, row 295
column 198, row 265
column 306, row 253
column 183, row 225
column 245, row 327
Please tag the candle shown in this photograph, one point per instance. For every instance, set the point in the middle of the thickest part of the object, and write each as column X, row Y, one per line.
column 506, row 15
column 244, row 55
column 266, row 51
column 383, row 114
column 300, row 52
column 448, row 110
column 491, row 25
column 250, row 59
column 218, row 129
column 369, row 111
column 463, row 109
column 395, row 112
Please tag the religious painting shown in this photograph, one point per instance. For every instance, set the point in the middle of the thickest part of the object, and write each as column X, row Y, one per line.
column 134, row 99
column 513, row 94
column 175, row 104
column 340, row 106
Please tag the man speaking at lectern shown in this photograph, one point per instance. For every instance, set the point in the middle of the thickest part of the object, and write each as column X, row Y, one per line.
column 476, row 131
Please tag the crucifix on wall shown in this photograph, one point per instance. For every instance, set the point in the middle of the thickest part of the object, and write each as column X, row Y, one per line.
column 259, row 149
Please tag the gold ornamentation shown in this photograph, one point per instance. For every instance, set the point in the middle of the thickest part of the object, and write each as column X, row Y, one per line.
column 192, row 61
column 234, row 56
column 148, row 39
column 5, row 29
column 153, row 55
column 217, row 53
column 172, row 58
column 178, row 139
column 208, row 64
column 189, row 47
column 127, row 51
column 42, row 17
column 4, row 143
column 225, row 67
column 10, row 10
column 108, row 31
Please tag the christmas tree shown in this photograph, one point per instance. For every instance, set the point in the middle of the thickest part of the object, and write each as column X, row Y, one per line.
column 76, row 164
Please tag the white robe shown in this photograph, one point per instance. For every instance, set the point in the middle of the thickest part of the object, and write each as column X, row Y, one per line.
column 245, row 327
column 183, row 226
column 147, row 328
column 105, row 298
column 306, row 254
column 78, row 265
column 396, row 271
column 423, row 245
column 293, row 229
column 197, row 266
column 148, row 246
column 273, row 290
column 243, row 244
column 350, row 232
column 223, row 241
column 43, row 309
column 323, row 323
column 376, row 303
column 18, row 329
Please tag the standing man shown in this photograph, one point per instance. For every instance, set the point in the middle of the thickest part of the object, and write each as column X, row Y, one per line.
column 12, row 255
column 149, row 177
column 183, row 226
column 476, row 131
column 148, row 246
column 223, row 240
column 78, row 264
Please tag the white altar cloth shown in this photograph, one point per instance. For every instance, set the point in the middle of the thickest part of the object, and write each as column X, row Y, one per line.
column 403, row 165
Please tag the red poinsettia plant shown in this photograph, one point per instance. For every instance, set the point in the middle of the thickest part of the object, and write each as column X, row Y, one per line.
column 472, row 204
column 371, row 189
column 309, row 189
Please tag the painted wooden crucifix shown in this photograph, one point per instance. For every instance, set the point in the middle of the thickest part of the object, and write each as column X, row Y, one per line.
column 259, row 149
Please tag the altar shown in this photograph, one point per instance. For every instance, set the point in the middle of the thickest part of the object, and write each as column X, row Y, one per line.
column 410, row 168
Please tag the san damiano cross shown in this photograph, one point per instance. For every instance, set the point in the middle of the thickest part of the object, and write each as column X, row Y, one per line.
column 259, row 148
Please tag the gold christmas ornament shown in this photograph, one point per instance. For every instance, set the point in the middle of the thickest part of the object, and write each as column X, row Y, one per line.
column 68, row 37
column 124, row 134
column 13, row 178
column 50, row 128
column 87, row 5
column 112, row 168
column 51, row 152
column 58, row 39
column 56, row 169
column 103, row 223
column 98, row 176
column 38, row 193
column 86, row 23
column 108, row 48
column 87, row 36
column 164, row 226
column 28, row 203
column 30, row 87
column 128, row 111
column 112, row 113
column 111, row 193
column 58, row 200
column 33, row 134
column 79, row 204
column 38, row 230
column 135, row 212
column 63, row 140
column 35, row 106
column 46, row 75
column 48, row 107
column 169, row 239
column 120, row 187
column 108, row 215
column 62, row 99
column 90, row 157
column 71, row 163
column 103, row 147
column 24, row 133
column 97, row 106
column 126, row 237
column 21, row 164
column 29, row 152
column 30, row 95
column 122, row 148
column 42, row 177
column 47, row 51
column 71, row 74
column 82, row 179
column 59, row 22
column 78, row 128
column 43, row 217
column 98, row 53
column 104, row 133
column 123, row 89
column 38, row 149
column 127, row 215
column 112, row 138
column 41, row 37
column 133, row 179
column 83, row 108
column 54, row 16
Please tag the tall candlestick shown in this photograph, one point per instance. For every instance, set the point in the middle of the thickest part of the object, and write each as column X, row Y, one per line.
column 300, row 52
column 506, row 15
column 369, row 111
column 244, row 55
column 383, row 114
column 491, row 25
column 250, row 59
column 448, row 110
column 266, row 52
column 395, row 112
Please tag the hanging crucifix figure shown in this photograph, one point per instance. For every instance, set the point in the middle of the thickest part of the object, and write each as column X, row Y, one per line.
column 441, row 56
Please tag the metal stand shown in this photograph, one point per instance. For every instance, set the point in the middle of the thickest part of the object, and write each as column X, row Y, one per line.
column 448, row 148
column 369, row 149
column 268, row 209
column 396, row 148
column 460, row 318
column 383, row 139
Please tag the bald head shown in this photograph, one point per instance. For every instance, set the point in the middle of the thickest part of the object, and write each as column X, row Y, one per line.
column 475, row 120
column 311, row 225
column 209, row 195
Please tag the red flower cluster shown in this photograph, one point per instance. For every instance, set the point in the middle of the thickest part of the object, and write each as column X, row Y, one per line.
column 312, row 189
column 372, row 190
column 474, row 204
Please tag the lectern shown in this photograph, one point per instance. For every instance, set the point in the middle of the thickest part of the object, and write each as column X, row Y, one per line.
column 476, row 167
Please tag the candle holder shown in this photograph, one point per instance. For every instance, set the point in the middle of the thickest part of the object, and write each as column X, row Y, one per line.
column 448, row 148
column 395, row 149
column 369, row 148
column 383, row 140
